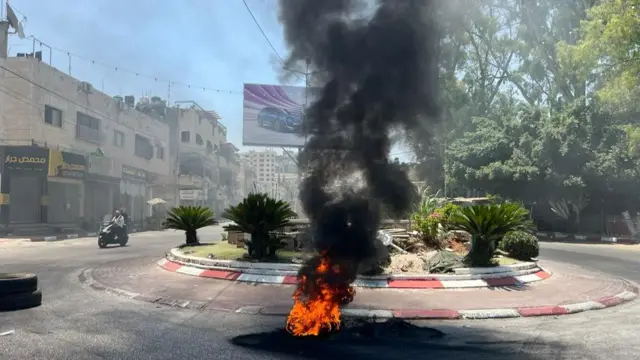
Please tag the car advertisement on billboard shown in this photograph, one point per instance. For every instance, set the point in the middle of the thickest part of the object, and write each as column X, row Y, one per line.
column 273, row 115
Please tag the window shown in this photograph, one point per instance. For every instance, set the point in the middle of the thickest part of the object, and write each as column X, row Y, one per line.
column 199, row 140
column 160, row 152
column 118, row 138
column 143, row 148
column 185, row 137
column 88, row 128
column 52, row 116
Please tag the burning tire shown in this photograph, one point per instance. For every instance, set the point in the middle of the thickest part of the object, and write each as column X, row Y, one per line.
column 19, row 291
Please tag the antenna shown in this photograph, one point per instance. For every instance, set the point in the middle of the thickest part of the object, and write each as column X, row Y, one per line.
column 13, row 21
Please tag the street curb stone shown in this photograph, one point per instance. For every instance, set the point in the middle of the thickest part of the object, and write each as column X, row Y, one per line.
column 630, row 293
column 430, row 281
column 586, row 239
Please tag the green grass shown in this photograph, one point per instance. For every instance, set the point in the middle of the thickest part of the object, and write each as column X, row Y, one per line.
column 504, row 260
column 225, row 251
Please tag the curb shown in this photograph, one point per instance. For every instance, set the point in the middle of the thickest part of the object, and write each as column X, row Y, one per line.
column 630, row 293
column 416, row 282
column 262, row 268
column 61, row 237
column 586, row 239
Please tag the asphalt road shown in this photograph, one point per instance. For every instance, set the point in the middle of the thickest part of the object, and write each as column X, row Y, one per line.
column 76, row 322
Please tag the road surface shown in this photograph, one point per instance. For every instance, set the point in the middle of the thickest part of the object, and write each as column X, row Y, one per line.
column 76, row 322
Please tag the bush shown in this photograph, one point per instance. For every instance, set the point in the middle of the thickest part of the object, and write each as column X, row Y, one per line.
column 487, row 224
column 445, row 215
column 189, row 219
column 259, row 215
column 520, row 245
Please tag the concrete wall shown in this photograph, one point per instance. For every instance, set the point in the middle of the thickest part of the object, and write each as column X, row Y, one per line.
column 22, row 116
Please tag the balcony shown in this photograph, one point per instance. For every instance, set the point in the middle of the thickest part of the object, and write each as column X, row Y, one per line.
column 190, row 180
column 89, row 134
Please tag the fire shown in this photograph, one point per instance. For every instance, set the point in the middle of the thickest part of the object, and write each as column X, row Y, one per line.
column 317, row 301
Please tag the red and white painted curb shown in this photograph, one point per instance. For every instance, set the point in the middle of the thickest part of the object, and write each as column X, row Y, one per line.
column 474, row 314
column 556, row 236
column 430, row 281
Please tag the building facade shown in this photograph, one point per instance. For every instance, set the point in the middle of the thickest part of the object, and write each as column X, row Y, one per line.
column 71, row 153
column 207, row 165
column 264, row 165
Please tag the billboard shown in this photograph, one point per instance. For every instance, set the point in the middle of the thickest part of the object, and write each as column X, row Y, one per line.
column 273, row 114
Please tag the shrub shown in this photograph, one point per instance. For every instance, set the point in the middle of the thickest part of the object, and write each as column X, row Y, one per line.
column 487, row 224
column 189, row 219
column 520, row 245
column 259, row 215
column 445, row 215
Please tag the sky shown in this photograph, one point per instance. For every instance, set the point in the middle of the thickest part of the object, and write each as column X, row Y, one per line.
column 199, row 50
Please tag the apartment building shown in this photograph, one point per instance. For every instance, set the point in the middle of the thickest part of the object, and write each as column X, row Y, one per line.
column 264, row 165
column 73, row 154
column 207, row 164
column 247, row 177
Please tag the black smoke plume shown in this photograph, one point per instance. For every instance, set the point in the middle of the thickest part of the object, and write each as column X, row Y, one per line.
column 377, row 67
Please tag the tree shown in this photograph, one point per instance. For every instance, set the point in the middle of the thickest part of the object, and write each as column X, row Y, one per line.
column 259, row 215
column 609, row 49
column 189, row 219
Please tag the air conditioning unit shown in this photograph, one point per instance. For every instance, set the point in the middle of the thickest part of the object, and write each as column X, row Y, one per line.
column 130, row 100
column 85, row 87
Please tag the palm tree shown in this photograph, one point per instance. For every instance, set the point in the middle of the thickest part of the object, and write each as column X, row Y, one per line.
column 487, row 224
column 259, row 215
column 189, row 219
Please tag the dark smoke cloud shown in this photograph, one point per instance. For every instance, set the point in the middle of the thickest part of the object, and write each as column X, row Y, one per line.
column 378, row 72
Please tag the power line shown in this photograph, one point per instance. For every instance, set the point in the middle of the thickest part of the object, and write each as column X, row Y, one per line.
column 135, row 73
column 264, row 35
column 71, row 101
column 262, row 31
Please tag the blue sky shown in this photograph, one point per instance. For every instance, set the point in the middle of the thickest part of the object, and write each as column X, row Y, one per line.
column 205, row 43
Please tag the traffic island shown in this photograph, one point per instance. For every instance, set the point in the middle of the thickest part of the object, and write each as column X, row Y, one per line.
column 515, row 275
column 570, row 290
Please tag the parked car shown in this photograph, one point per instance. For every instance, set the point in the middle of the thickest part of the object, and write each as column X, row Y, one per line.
column 280, row 120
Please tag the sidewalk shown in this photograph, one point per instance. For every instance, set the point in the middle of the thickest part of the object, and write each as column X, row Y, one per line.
column 144, row 280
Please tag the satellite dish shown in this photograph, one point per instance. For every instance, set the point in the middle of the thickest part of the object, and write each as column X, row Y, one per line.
column 13, row 21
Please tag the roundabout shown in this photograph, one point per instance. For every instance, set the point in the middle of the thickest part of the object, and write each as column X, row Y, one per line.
column 521, row 290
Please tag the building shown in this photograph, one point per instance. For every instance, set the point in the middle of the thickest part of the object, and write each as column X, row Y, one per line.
column 287, row 179
column 264, row 165
column 207, row 165
column 71, row 153
column 246, row 178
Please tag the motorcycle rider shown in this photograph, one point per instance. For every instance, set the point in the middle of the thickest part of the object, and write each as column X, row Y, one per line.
column 119, row 223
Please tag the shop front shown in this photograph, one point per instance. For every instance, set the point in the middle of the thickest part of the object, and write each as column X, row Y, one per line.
column 102, row 190
column 133, row 194
column 66, row 187
column 24, row 185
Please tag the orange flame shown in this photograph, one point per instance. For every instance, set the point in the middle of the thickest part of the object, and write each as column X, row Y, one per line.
column 316, row 306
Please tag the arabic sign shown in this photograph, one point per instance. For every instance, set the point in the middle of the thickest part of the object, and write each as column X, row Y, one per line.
column 131, row 173
column 273, row 114
column 191, row 195
column 66, row 165
column 26, row 158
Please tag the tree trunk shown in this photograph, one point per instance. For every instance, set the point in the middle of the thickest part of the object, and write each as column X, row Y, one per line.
column 191, row 237
column 481, row 252
column 258, row 246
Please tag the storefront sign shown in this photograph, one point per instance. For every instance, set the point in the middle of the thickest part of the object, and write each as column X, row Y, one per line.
column 131, row 173
column 66, row 165
column 26, row 158
column 191, row 195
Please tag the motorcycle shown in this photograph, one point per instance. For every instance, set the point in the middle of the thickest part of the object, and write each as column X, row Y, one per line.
column 107, row 235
